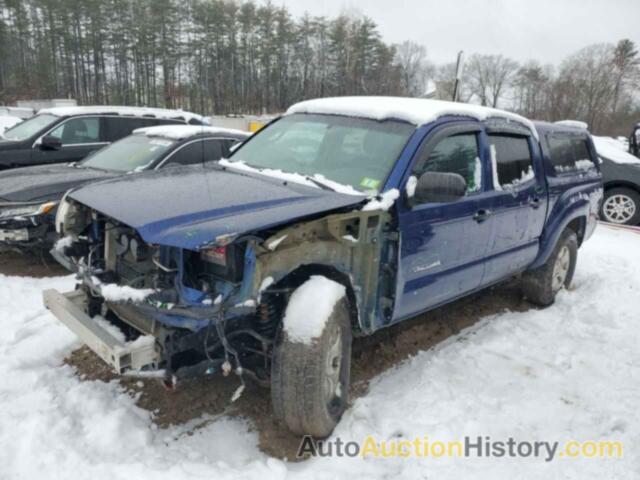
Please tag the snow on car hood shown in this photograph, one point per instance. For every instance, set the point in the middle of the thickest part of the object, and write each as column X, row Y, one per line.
column 613, row 150
column 190, row 207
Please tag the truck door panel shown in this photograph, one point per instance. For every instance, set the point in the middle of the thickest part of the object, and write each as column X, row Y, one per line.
column 518, row 203
column 443, row 245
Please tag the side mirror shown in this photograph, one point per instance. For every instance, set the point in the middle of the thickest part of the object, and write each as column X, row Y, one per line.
column 436, row 187
column 49, row 142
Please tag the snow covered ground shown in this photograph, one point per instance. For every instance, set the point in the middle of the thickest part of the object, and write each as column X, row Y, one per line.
column 571, row 372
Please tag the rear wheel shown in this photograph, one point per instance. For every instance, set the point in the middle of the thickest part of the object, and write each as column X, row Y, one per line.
column 310, row 382
column 541, row 285
column 621, row 206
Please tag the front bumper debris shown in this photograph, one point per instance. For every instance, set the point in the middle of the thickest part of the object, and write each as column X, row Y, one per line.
column 122, row 356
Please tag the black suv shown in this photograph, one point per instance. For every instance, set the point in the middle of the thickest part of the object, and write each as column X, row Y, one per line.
column 69, row 134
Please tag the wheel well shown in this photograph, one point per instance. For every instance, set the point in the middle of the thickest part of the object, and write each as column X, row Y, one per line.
column 578, row 226
column 300, row 275
column 621, row 184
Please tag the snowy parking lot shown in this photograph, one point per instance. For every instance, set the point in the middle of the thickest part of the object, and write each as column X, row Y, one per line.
column 570, row 372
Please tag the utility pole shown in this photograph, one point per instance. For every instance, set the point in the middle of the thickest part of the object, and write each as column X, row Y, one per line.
column 459, row 69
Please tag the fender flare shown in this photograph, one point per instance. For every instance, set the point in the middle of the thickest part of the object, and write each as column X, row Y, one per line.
column 579, row 209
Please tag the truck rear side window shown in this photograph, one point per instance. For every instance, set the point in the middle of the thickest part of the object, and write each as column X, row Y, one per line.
column 513, row 163
column 569, row 153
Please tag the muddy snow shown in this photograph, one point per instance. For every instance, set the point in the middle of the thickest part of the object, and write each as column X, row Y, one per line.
column 489, row 365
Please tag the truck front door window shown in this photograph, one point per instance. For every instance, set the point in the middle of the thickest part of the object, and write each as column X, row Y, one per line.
column 456, row 154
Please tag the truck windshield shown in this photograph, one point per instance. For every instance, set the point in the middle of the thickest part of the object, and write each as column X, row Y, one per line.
column 351, row 151
column 30, row 127
column 132, row 153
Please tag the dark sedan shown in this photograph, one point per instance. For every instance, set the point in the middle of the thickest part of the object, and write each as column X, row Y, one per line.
column 29, row 196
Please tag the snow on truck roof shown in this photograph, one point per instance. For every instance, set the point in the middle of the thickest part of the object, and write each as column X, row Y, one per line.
column 180, row 132
column 418, row 111
column 131, row 111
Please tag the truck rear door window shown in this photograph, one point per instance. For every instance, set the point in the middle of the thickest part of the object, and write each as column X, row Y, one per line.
column 511, row 159
column 569, row 153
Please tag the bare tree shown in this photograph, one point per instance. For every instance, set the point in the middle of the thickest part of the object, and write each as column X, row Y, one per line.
column 626, row 68
column 414, row 67
column 489, row 77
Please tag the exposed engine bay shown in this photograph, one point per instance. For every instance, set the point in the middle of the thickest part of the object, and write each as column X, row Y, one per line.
column 218, row 309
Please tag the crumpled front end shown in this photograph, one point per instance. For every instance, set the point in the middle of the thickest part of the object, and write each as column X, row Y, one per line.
column 217, row 308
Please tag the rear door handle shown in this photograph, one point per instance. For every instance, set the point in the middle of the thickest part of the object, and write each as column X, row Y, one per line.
column 535, row 202
column 481, row 215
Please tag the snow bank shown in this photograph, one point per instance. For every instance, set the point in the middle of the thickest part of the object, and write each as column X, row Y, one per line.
column 309, row 308
column 418, row 111
column 613, row 150
column 568, row 372
column 180, row 132
column 383, row 202
column 117, row 110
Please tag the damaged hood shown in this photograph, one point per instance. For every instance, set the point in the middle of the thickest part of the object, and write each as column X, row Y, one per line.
column 188, row 207
column 45, row 182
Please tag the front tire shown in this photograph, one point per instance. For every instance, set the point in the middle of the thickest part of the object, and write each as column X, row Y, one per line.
column 621, row 206
column 310, row 382
column 541, row 285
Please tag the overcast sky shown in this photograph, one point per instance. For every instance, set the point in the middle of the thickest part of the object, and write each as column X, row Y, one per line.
column 546, row 30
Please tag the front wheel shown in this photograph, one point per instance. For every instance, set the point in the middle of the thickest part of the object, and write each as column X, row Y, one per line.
column 310, row 380
column 541, row 285
column 621, row 206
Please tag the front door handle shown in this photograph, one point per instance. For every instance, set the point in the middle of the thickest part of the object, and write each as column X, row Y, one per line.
column 481, row 215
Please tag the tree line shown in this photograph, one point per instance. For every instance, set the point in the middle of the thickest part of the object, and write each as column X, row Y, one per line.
column 239, row 56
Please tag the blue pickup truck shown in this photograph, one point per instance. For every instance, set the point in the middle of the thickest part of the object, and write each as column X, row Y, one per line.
column 340, row 218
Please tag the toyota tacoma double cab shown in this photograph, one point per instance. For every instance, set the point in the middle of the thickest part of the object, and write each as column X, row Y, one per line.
column 342, row 217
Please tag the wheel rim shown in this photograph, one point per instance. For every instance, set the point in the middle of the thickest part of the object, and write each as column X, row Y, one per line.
column 619, row 208
column 561, row 268
column 333, row 368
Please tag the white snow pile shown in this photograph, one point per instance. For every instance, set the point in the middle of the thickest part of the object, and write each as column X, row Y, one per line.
column 122, row 293
column 120, row 110
column 574, row 124
column 418, row 111
column 310, row 307
column 291, row 177
column 613, row 150
column 568, row 372
column 180, row 132
column 63, row 243
column 383, row 201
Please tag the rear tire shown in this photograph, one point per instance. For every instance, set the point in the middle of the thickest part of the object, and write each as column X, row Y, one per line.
column 621, row 206
column 541, row 285
column 310, row 382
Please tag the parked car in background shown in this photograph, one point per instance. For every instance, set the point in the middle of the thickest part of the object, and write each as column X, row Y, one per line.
column 68, row 134
column 29, row 196
column 634, row 141
column 621, row 177
column 342, row 217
